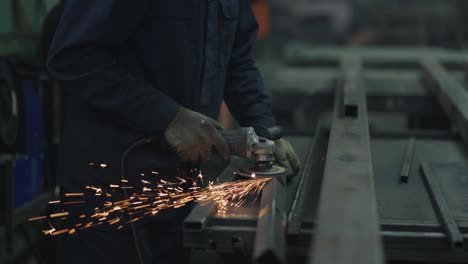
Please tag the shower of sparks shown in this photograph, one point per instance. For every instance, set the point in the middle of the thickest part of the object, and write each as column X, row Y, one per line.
column 149, row 200
column 232, row 194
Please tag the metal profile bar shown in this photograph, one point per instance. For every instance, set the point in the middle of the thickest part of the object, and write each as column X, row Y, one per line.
column 441, row 207
column 297, row 209
column 407, row 161
column 270, row 236
column 352, row 82
column 348, row 228
column 451, row 95
column 200, row 215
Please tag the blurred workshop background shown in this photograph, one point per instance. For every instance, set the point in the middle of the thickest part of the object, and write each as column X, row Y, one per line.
column 31, row 105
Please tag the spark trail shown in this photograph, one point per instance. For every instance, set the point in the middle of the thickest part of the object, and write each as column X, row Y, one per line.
column 150, row 200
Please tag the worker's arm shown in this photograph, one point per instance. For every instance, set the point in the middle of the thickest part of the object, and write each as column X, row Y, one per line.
column 244, row 85
column 83, row 58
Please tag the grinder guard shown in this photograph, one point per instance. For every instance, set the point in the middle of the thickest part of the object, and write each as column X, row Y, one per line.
column 259, row 142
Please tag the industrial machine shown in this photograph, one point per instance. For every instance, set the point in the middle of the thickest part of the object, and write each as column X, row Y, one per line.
column 382, row 136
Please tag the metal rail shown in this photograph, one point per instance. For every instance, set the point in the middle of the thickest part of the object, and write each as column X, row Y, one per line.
column 270, row 237
column 303, row 190
column 407, row 161
column 451, row 95
column 309, row 182
column 199, row 216
column 441, row 207
column 348, row 224
column 352, row 83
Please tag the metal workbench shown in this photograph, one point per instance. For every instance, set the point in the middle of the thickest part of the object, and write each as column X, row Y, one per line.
column 370, row 188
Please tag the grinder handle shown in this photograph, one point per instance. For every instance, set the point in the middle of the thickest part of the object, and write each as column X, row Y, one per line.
column 236, row 141
column 272, row 133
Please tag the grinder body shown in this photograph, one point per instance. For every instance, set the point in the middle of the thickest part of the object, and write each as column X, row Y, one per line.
column 257, row 142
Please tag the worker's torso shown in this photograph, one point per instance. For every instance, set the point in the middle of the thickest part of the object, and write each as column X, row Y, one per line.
column 182, row 48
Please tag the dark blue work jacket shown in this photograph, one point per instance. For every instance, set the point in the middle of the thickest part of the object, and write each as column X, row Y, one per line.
column 127, row 66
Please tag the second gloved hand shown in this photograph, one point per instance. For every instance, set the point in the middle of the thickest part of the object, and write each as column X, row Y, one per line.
column 286, row 156
column 193, row 135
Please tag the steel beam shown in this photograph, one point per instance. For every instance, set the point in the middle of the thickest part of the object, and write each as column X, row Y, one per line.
column 311, row 161
column 200, row 215
column 351, row 82
column 270, row 236
column 441, row 207
column 348, row 224
column 407, row 161
column 303, row 190
column 451, row 94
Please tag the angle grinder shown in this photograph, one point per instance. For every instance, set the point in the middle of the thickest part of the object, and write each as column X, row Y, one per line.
column 257, row 142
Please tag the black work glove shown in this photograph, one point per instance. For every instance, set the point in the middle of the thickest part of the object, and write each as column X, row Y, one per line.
column 286, row 156
column 193, row 135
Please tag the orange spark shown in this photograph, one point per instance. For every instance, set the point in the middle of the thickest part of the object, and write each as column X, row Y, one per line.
column 59, row 214
column 74, row 194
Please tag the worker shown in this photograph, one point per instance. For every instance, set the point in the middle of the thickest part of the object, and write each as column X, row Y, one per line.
column 158, row 69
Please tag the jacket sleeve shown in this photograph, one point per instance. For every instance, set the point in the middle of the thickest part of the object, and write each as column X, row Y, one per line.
column 244, row 85
column 82, row 56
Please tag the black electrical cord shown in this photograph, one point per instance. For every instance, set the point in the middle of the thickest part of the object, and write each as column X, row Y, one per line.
column 123, row 158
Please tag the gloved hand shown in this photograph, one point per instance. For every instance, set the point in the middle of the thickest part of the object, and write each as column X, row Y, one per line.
column 192, row 135
column 286, row 156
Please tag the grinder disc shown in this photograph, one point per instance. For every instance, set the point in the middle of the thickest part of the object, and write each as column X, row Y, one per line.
column 274, row 171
